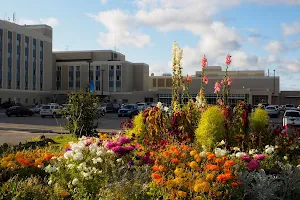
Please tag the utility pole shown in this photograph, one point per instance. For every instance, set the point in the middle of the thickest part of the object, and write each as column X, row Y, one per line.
column 274, row 86
column 102, row 73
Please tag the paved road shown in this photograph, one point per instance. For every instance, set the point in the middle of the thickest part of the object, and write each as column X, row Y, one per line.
column 109, row 121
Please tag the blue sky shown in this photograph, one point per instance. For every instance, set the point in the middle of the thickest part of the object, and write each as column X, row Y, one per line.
column 259, row 34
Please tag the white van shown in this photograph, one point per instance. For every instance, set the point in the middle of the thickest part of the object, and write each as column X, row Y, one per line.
column 49, row 110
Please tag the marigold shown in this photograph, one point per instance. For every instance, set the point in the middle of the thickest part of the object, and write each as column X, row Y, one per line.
column 193, row 165
column 48, row 156
column 183, row 155
column 156, row 176
column 155, row 168
column 197, row 158
column 211, row 167
column 181, row 194
column 219, row 161
column 210, row 177
column 178, row 171
column 175, row 160
column 229, row 163
column 211, row 156
column 193, row 153
column 178, row 181
column 64, row 194
column 162, row 168
column 166, row 153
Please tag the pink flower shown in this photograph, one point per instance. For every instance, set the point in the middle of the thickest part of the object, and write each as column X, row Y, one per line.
column 260, row 157
column 201, row 93
column 229, row 80
column 228, row 59
column 204, row 61
column 124, row 140
column 246, row 158
column 222, row 82
column 253, row 165
column 205, row 79
column 217, row 87
column 111, row 145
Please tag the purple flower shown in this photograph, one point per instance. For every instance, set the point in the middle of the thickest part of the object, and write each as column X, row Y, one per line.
column 124, row 140
column 246, row 158
column 111, row 145
column 260, row 157
column 253, row 165
column 119, row 150
column 129, row 148
column 68, row 149
column 130, row 163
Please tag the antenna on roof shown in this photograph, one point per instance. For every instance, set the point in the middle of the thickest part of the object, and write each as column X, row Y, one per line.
column 14, row 17
column 67, row 47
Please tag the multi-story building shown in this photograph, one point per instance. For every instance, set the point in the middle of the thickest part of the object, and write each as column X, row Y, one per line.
column 252, row 86
column 25, row 63
column 108, row 71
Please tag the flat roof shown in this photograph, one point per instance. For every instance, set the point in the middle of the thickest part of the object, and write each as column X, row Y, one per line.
column 88, row 51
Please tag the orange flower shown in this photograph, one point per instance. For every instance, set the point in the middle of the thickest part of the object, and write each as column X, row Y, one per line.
column 228, row 176
column 229, row 163
column 185, row 148
column 183, row 155
column 175, row 160
column 211, row 167
column 234, row 184
column 162, row 168
column 166, row 153
column 211, row 156
column 219, row 161
column 158, row 181
column 156, row 176
column 155, row 168
column 48, row 156
column 221, row 178
column 64, row 194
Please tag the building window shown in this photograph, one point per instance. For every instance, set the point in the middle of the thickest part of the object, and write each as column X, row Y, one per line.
column 118, row 67
column 169, row 82
column 18, row 84
column 9, row 41
column 9, row 84
column 111, row 67
column 161, row 82
column 97, row 68
column 18, row 43
column 77, row 68
column 118, row 78
column 8, row 54
column 18, row 56
column 154, row 82
column 26, row 85
column 26, row 45
column 58, row 68
column 26, row 100
column 71, row 76
column 41, row 86
column 26, row 58
column 33, row 86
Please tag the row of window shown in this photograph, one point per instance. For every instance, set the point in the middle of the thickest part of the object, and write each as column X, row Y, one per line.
column 18, row 63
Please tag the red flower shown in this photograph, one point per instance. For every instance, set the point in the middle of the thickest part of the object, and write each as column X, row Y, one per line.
column 229, row 80
column 188, row 79
column 205, row 79
column 228, row 59
column 217, row 87
column 204, row 61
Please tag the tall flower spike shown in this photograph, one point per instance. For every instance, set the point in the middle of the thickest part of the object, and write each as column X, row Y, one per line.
column 217, row 87
column 228, row 59
column 205, row 80
column 204, row 61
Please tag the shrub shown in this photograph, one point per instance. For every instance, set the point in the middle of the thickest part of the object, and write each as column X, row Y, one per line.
column 138, row 126
column 211, row 127
column 258, row 120
column 81, row 113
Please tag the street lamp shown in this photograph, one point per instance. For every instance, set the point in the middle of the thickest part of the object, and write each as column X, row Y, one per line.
column 274, row 86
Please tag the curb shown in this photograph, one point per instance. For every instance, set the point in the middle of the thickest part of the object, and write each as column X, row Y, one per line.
column 49, row 130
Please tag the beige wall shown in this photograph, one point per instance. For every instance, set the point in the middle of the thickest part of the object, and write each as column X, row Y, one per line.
column 289, row 97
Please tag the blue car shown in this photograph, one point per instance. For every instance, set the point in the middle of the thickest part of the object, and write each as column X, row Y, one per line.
column 129, row 110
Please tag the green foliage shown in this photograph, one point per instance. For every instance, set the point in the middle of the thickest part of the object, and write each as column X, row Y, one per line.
column 138, row 126
column 33, row 188
column 81, row 113
column 259, row 119
column 211, row 127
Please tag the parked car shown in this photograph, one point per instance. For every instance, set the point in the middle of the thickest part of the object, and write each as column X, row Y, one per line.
column 110, row 108
column 141, row 106
column 50, row 110
column 273, row 110
column 36, row 109
column 129, row 110
column 103, row 106
column 289, row 106
column 291, row 117
column 18, row 111
column 8, row 104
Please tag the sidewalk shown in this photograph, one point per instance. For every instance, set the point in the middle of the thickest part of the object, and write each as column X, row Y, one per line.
column 42, row 129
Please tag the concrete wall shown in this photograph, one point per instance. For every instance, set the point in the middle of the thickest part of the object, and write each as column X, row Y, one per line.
column 289, row 97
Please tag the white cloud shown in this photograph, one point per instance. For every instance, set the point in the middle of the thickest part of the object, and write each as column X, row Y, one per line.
column 294, row 65
column 286, row 2
column 122, row 30
column 48, row 21
column 103, row 1
column 275, row 47
column 290, row 29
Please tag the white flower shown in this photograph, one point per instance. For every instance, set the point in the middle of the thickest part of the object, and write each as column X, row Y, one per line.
column 93, row 147
column 220, row 152
column 276, row 147
column 100, row 152
column 298, row 166
column 78, row 156
column 159, row 105
column 252, row 151
column 70, row 166
column 49, row 182
column 222, row 142
column 75, row 180
column 236, row 149
column 269, row 149
column 82, row 166
column 50, row 169
column 203, row 154
column 240, row 154
column 110, row 152
column 285, row 157
column 68, row 154
column 85, row 174
column 166, row 109
column 119, row 160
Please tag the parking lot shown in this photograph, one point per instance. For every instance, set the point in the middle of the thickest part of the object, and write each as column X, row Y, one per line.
column 109, row 121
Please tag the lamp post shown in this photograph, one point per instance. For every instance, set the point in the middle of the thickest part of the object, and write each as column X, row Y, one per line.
column 274, row 86
column 102, row 73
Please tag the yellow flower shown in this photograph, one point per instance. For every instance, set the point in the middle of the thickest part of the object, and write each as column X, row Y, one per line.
column 210, row 177
column 178, row 181
column 202, row 187
column 178, row 171
column 10, row 164
column 193, row 165
column 193, row 153
column 197, row 158
column 181, row 194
